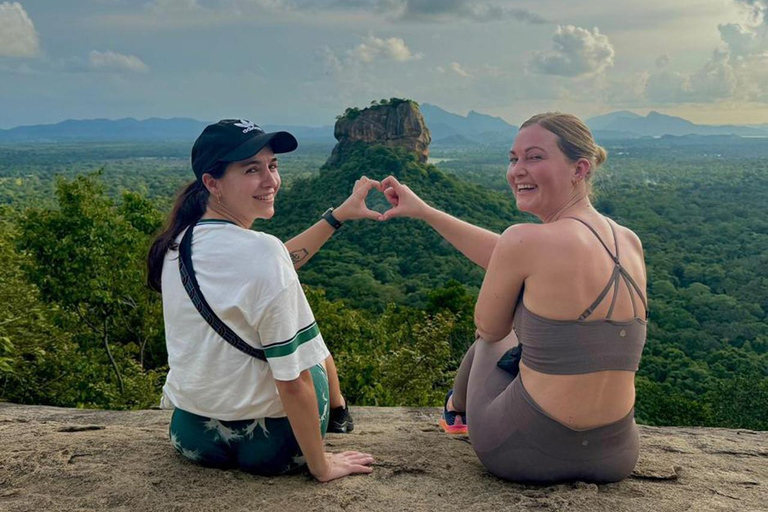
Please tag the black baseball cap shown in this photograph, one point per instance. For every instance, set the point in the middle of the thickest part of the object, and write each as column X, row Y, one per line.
column 231, row 140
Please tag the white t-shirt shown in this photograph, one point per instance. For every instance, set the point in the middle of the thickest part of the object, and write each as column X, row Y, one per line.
column 248, row 279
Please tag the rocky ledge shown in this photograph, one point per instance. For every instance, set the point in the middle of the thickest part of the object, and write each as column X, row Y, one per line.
column 54, row 459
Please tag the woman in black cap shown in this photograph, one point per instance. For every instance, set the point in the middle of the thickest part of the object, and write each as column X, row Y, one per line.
column 250, row 379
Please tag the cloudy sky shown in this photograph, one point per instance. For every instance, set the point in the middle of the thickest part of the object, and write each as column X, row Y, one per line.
column 305, row 61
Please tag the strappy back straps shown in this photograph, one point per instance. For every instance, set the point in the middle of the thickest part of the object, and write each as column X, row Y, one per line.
column 618, row 273
column 600, row 239
column 629, row 281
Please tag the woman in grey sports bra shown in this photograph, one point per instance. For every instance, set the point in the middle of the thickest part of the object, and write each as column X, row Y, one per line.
column 569, row 295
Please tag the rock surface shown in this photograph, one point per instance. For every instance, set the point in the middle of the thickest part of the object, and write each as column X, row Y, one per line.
column 400, row 125
column 54, row 459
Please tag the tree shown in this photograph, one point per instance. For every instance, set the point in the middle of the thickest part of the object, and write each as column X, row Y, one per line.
column 86, row 257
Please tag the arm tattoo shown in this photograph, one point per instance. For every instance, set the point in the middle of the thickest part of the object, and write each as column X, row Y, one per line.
column 299, row 256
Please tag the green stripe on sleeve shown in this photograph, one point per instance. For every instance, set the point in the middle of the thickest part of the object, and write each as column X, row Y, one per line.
column 289, row 347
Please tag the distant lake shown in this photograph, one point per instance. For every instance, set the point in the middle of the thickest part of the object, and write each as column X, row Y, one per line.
column 439, row 160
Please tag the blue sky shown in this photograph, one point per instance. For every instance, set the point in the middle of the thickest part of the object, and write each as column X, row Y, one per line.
column 305, row 61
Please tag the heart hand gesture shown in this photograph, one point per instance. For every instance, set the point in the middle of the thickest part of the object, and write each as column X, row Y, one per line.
column 404, row 201
column 354, row 206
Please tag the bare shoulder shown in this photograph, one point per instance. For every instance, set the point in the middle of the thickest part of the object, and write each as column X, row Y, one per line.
column 526, row 244
column 630, row 236
column 523, row 237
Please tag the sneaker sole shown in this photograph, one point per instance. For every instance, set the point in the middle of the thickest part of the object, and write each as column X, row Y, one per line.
column 338, row 429
column 453, row 429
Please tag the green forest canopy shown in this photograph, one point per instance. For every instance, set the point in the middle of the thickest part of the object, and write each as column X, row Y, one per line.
column 393, row 300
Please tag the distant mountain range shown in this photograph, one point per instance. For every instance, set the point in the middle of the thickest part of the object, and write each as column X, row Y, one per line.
column 447, row 129
column 454, row 130
column 129, row 129
column 628, row 125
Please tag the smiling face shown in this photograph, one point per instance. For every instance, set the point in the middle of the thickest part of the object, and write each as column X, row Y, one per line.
column 248, row 188
column 541, row 176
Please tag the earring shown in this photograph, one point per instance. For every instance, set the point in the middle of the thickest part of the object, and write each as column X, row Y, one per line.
column 218, row 199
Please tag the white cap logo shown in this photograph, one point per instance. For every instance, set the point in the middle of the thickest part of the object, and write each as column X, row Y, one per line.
column 247, row 126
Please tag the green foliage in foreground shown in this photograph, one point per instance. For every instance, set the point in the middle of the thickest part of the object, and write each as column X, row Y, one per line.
column 83, row 278
column 400, row 357
column 46, row 357
column 77, row 320
column 81, row 328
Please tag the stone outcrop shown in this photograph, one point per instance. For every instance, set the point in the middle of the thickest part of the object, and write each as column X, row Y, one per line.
column 396, row 124
column 54, row 459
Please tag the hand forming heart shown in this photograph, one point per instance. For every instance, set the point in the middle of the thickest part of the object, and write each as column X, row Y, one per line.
column 354, row 206
column 404, row 202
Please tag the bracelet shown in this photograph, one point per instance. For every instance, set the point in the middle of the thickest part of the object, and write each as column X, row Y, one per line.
column 330, row 219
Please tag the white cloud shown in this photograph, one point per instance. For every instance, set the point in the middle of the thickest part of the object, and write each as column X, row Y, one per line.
column 757, row 8
column 331, row 62
column 374, row 48
column 625, row 91
column 741, row 40
column 748, row 47
column 753, row 79
column 456, row 68
column 736, row 73
column 577, row 51
column 111, row 61
column 667, row 86
column 18, row 37
column 716, row 80
column 327, row 57
column 375, row 68
column 748, row 39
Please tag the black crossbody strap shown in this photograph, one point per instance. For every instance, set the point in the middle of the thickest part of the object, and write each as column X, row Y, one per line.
column 189, row 281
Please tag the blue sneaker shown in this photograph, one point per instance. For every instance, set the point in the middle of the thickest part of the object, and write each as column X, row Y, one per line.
column 451, row 421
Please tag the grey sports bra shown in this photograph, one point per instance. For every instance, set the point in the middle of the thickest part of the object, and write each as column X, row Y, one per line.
column 571, row 347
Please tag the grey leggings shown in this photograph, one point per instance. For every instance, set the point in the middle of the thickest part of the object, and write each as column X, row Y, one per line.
column 516, row 440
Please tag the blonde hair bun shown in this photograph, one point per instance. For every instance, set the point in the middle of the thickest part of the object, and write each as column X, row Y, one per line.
column 601, row 156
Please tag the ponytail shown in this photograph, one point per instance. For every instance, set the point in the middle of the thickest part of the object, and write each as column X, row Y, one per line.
column 189, row 207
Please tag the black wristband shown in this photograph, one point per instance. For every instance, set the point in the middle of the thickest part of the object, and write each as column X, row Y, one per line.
column 333, row 221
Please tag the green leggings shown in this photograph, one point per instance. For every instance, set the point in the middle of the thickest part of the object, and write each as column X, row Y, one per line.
column 265, row 446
